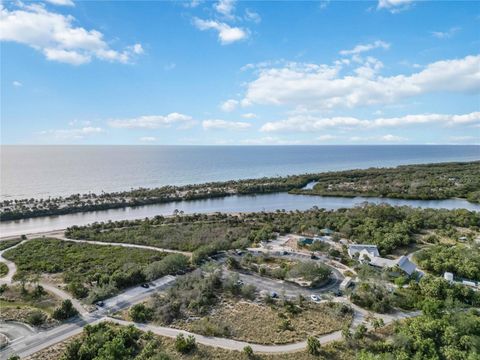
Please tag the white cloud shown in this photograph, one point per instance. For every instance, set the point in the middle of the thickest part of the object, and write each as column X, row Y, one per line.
column 226, row 125
column 327, row 137
column 229, row 105
column 392, row 138
column 251, row 15
column 322, row 86
column 309, row 123
column 446, row 34
column 226, row 33
column 73, row 134
column 17, row 83
column 389, row 138
column 360, row 48
column 271, row 140
column 152, row 121
column 56, row 36
column 148, row 139
column 61, row 2
column 249, row 116
column 225, row 8
column 464, row 139
column 394, row 6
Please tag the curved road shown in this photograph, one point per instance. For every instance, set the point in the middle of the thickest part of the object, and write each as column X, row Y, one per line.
column 35, row 342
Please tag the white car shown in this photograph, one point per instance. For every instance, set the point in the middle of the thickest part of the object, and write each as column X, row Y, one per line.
column 315, row 298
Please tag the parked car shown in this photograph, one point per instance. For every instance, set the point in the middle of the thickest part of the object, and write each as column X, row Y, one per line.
column 146, row 286
column 240, row 282
column 100, row 303
column 273, row 294
column 315, row 298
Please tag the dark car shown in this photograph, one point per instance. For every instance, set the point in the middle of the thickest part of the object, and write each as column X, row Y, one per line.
column 146, row 286
column 100, row 303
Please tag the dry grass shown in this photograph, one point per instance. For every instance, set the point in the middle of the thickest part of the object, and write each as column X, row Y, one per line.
column 258, row 323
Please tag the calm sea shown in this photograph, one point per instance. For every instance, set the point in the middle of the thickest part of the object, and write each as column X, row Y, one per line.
column 43, row 171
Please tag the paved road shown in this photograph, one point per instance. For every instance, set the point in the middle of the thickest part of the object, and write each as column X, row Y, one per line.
column 32, row 343
column 289, row 289
column 14, row 330
column 28, row 345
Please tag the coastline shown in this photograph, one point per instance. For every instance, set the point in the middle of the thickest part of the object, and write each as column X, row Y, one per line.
column 293, row 184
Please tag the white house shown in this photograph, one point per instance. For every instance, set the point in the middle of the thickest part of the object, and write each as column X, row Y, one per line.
column 368, row 254
column 370, row 250
column 448, row 276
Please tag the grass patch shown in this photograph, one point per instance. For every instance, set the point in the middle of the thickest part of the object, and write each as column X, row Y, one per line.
column 89, row 270
column 185, row 236
column 5, row 244
column 33, row 305
column 3, row 269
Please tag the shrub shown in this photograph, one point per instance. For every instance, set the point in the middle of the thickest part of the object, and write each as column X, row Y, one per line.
column 248, row 351
column 36, row 318
column 209, row 327
column 141, row 313
column 184, row 344
column 65, row 311
column 77, row 289
column 313, row 346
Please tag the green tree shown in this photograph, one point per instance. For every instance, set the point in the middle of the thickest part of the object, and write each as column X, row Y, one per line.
column 141, row 313
column 65, row 311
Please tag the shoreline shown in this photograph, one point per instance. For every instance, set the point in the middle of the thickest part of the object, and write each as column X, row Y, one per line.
column 347, row 184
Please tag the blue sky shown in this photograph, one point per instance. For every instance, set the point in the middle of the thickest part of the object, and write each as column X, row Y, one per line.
column 226, row 72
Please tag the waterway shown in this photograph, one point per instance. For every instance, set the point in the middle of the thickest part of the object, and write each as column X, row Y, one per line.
column 237, row 203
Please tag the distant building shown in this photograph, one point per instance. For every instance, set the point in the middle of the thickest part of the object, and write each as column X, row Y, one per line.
column 469, row 283
column 327, row 231
column 368, row 254
column 371, row 250
column 406, row 265
column 448, row 276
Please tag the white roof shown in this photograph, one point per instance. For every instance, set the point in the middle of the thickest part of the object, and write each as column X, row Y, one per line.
column 403, row 263
column 382, row 262
column 371, row 249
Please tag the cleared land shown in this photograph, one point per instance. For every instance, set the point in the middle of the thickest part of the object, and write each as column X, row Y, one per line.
column 274, row 324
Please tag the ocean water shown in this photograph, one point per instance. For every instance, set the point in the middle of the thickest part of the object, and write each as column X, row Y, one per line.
column 43, row 171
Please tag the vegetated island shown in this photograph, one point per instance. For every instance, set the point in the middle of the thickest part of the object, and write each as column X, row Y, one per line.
column 425, row 182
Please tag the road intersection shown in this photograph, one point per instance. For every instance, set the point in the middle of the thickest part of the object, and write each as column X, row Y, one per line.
column 31, row 343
